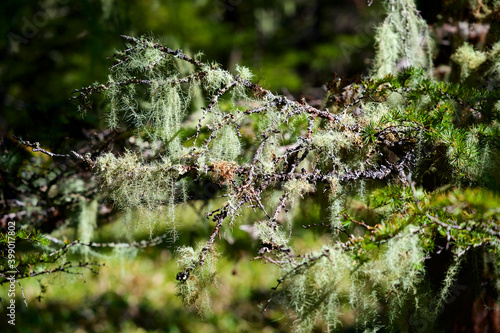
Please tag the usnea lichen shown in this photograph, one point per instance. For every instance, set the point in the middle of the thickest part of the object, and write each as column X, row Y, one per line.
column 266, row 153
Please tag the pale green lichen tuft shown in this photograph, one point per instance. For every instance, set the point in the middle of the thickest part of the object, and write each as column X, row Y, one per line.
column 226, row 145
column 195, row 288
column 298, row 187
column 468, row 59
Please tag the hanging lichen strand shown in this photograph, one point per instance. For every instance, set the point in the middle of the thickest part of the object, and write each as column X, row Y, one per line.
column 267, row 152
column 402, row 40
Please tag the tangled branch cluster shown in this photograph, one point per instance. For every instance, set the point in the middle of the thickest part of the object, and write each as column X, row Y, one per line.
column 321, row 151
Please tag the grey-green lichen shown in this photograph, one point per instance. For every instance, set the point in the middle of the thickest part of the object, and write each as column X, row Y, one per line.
column 403, row 39
column 198, row 280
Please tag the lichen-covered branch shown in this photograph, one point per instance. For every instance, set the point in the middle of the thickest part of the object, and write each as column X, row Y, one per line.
column 267, row 153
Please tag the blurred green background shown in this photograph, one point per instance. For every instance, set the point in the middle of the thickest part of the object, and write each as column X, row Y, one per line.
column 51, row 47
